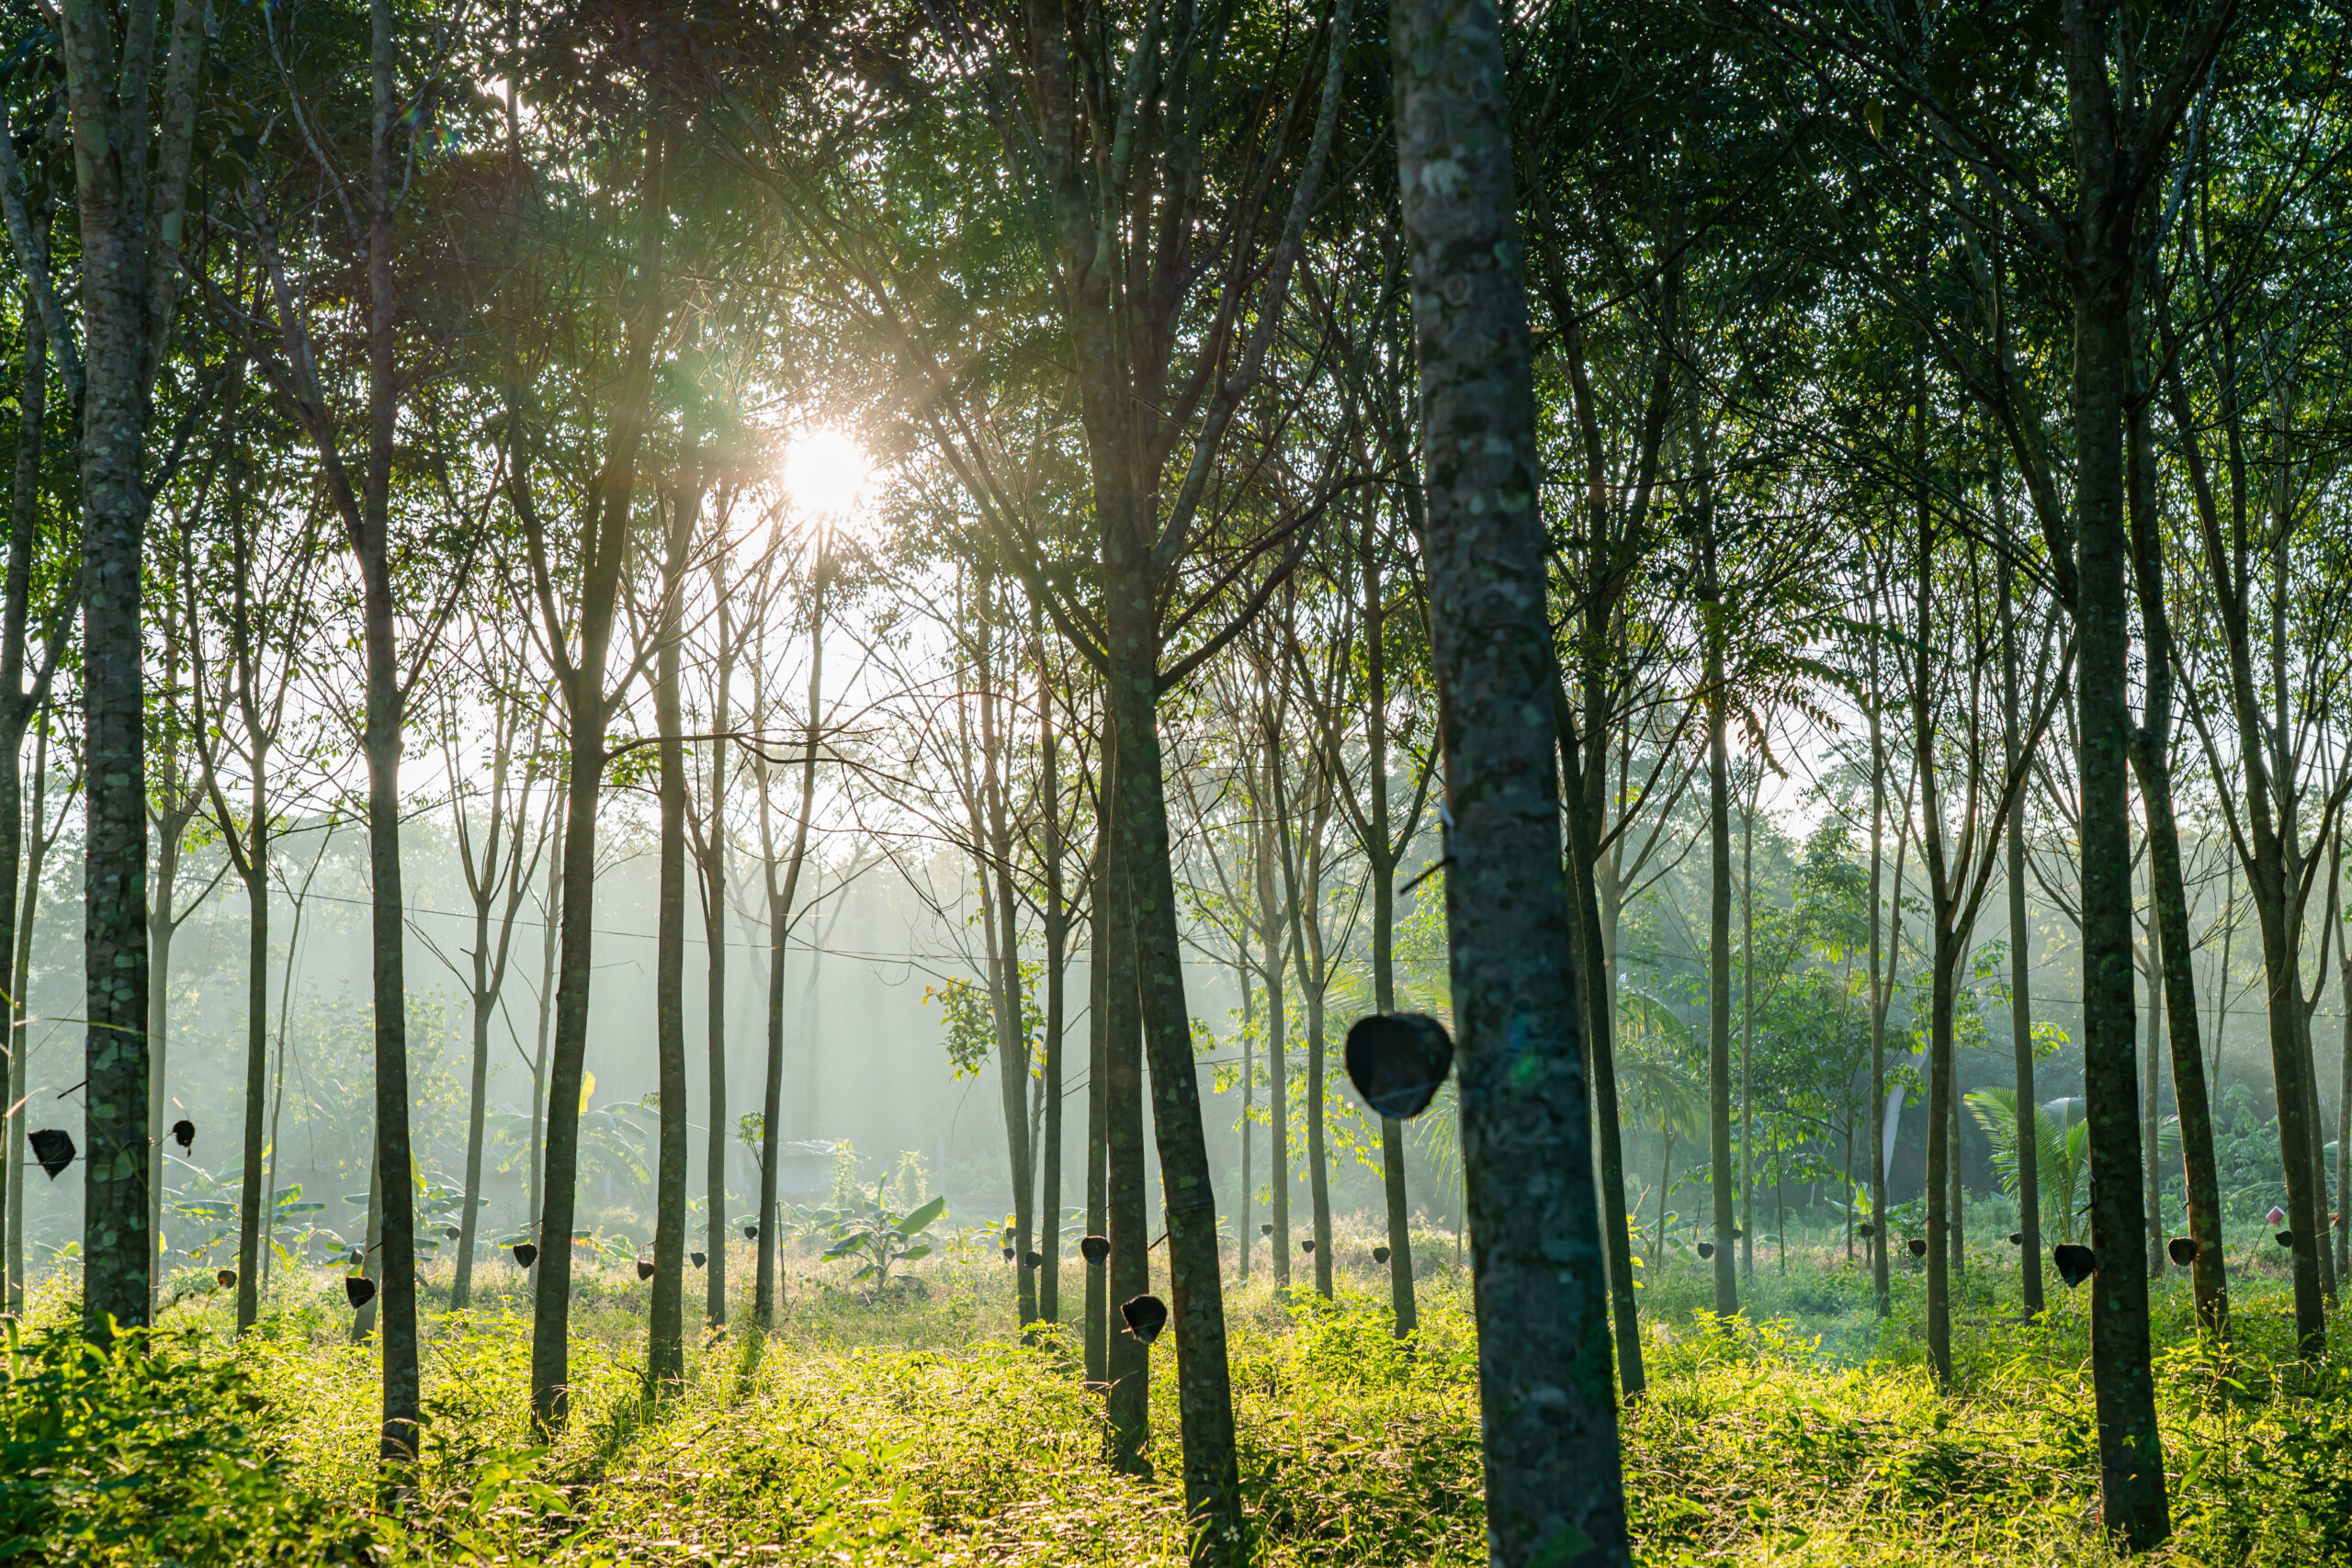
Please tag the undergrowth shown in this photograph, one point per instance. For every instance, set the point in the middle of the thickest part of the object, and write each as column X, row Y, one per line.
column 921, row 1428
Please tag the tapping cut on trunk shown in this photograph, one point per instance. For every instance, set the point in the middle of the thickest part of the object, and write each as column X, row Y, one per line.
column 1398, row 1061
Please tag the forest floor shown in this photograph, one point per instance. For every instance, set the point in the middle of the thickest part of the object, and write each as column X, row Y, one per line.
column 917, row 1428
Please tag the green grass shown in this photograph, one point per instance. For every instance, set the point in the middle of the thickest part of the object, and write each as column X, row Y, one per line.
column 919, row 1428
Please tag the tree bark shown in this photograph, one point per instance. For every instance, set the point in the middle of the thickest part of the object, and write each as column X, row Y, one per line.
column 2131, row 1450
column 588, row 707
column 1126, row 1364
column 714, row 913
column 2021, row 969
column 665, row 1350
column 1056, row 922
column 20, row 1027
column 1718, row 927
column 1554, row 1489
column 1100, row 939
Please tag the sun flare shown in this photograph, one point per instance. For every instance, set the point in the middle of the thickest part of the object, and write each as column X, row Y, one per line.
column 825, row 474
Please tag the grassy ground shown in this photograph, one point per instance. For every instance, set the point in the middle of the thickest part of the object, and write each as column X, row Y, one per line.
column 917, row 1428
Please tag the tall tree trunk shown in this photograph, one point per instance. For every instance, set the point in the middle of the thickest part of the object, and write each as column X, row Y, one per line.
column 163, row 919
column 1125, row 1364
column 2150, row 1097
column 1056, row 933
column 1553, row 1488
column 1249, row 1105
column 17, row 707
column 1718, row 930
column 550, row 956
column 1748, row 1036
column 1274, row 964
column 1188, row 1207
column 588, row 707
column 714, row 915
column 255, row 1195
column 992, row 834
column 1100, row 938
column 1599, row 1026
column 2130, row 1450
column 2021, row 968
column 19, row 1025
column 1882, row 964
column 783, row 896
column 461, row 1279
column 1944, row 971
column 132, row 219
column 1381, row 869
column 666, row 1347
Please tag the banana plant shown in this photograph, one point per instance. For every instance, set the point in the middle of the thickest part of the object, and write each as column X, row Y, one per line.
column 884, row 1239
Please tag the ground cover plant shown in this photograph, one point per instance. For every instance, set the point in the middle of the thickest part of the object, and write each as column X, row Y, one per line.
column 920, row 1426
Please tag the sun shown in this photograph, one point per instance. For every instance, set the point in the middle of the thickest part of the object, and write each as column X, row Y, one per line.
column 825, row 474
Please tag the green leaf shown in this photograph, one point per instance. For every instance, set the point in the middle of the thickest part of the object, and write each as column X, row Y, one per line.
column 923, row 1216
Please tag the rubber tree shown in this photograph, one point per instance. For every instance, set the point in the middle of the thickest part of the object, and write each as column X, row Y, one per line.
column 588, row 698
column 133, row 134
column 665, row 1346
column 1554, row 1493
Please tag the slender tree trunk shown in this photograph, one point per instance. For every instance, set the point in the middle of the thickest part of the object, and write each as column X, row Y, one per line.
column 1249, row 1106
column 714, row 892
column 2020, row 968
column 1098, row 1085
column 1718, row 939
column 1553, row 1488
column 549, row 954
column 665, row 1351
column 1747, row 1038
column 2152, row 1090
column 17, row 707
column 587, row 709
column 19, row 1017
column 1126, row 1364
column 1056, row 933
column 255, row 1195
column 1882, row 983
column 1944, row 967
column 992, row 834
column 783, row 895
column 1274, row 964
column 1381, row 869
column 1582, row 819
